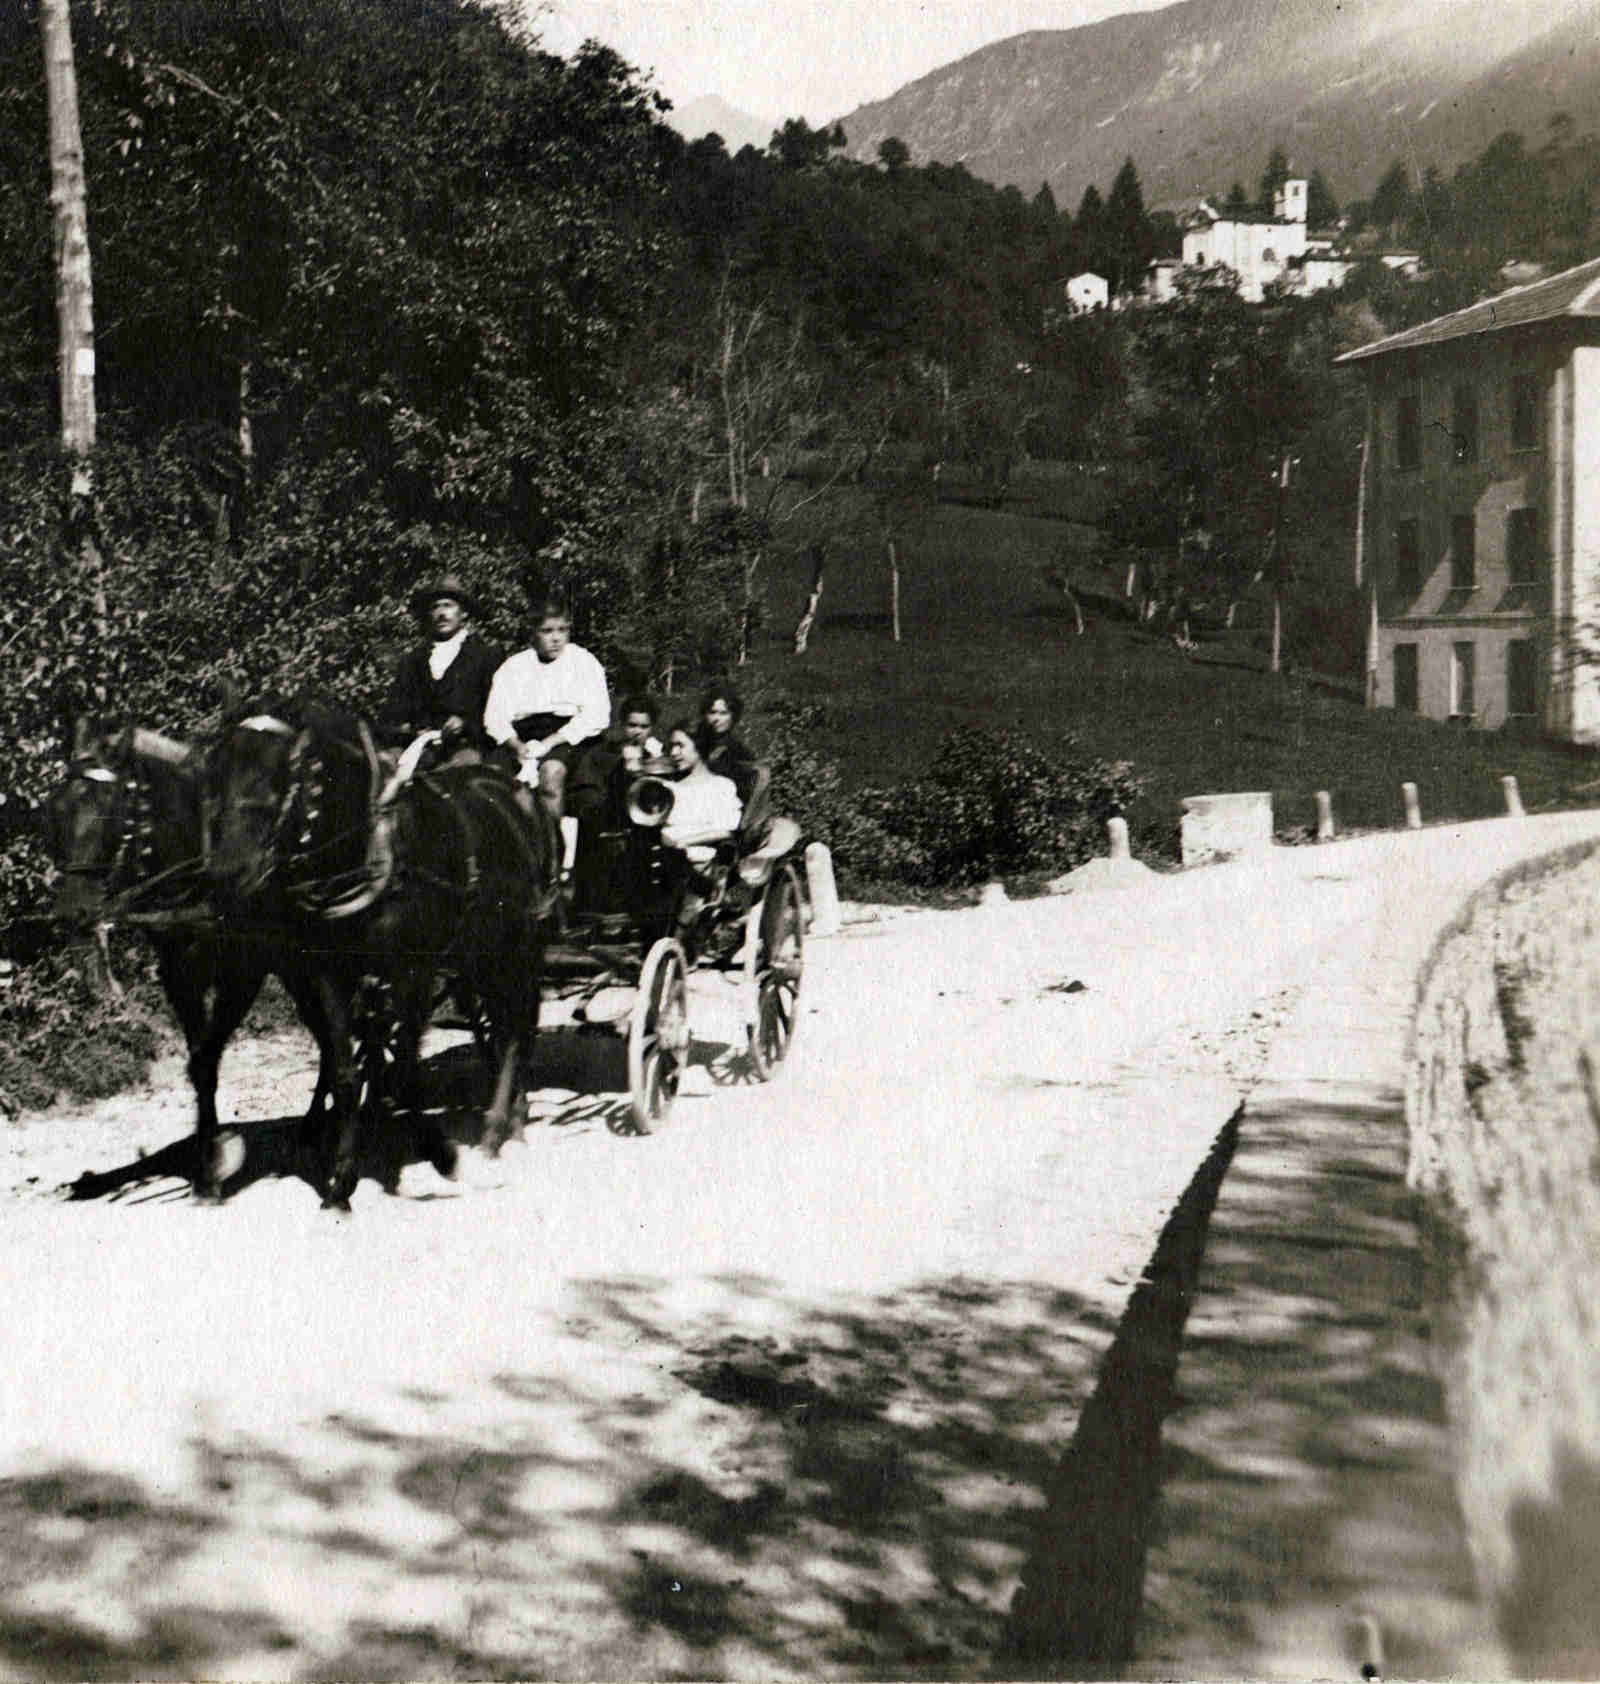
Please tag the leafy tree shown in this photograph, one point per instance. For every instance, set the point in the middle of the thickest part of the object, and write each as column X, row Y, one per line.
column 798, row 146
column 369, row 277
column 893, row 154
column 1218, row 397
column 1272, row 178
column 1322, row 209
column 1237, row 202
column 1125, row 236
column 1392, row 198
column 1089, row 226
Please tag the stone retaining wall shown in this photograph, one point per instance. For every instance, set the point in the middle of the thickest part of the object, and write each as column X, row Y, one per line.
column 1503, row 1108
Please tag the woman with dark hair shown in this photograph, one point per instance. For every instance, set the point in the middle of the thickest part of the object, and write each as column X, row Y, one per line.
column 706, row 809
column 722, row 749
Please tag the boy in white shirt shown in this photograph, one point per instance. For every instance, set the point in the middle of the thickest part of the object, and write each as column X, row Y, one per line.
column 545, row 702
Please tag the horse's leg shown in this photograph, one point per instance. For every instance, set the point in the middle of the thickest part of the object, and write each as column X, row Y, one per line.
column 239, row 979
column 184, row 983
column 413, row 999
column 517, row 1007
column 302, row 990
column 335, row 995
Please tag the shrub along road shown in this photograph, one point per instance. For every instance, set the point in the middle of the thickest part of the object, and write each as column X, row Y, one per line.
column 786, row 1389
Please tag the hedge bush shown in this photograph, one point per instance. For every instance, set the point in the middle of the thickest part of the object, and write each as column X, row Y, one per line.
column 57, row 1037
column 992, row 804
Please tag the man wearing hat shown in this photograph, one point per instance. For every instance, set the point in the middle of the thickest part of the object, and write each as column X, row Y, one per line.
column 443, row 685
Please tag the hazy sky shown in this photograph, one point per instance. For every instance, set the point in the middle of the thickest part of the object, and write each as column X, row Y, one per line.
column 815, row 59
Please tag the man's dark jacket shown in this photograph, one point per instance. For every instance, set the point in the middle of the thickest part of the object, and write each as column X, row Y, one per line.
column 419, row 702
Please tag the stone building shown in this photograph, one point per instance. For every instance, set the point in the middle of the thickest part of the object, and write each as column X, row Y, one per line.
column 1479, row 527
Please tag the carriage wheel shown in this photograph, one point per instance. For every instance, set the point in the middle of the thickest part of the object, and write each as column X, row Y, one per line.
column 658, row 1035
column 774, row 964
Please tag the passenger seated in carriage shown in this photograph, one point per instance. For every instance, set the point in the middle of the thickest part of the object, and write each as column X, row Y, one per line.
column 545, row 704
column 706, row 811
column 442, row 685
column 597, row 798
column 717, row 738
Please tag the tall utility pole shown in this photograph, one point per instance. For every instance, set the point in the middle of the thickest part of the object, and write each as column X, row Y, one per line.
column 74, row 297
column 1280, row 565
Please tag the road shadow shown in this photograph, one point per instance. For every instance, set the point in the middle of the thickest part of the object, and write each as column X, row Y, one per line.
column 849, row 1493
column 961, row 1479
column 1307, row 1514
column 1076, row 1611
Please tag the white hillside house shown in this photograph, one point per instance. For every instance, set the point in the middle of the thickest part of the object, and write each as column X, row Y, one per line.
column 1088, row 291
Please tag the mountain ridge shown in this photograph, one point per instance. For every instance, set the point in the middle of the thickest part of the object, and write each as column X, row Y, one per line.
column 711, row 114
column 1199, row 92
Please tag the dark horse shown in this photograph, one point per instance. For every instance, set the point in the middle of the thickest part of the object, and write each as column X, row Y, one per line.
column 376, row 894
column 128, row 831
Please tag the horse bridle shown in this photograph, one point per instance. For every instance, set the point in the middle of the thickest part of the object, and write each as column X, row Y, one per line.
column 130, row 813
column 303, row 794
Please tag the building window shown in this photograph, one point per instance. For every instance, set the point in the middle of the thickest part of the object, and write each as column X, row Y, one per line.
column 1464, row 423
column 1408, row 432
column 1525, row 412
column 1463, row 552
column 1405, row 677
column 1407, row 557
column 1522, row 683
column 1462, row 663
column 1522, row 546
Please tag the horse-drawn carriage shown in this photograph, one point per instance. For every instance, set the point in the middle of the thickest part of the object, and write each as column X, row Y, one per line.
column 640, row 934
column 290, row 849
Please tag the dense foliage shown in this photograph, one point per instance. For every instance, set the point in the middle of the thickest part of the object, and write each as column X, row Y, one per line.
column 992, row 804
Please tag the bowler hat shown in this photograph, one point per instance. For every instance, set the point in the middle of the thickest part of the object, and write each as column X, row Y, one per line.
column 430, row 590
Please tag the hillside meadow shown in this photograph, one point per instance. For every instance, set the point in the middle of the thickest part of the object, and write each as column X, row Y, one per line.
column 985, row 640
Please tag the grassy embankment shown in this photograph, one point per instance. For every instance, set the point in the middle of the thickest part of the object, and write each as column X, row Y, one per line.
column 986, row 640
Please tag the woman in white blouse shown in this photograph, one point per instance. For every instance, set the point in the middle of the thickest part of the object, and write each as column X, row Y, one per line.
column 705, row 811
column 705, row 806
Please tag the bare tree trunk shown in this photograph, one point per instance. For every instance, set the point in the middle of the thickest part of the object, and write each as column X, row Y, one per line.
column 74, row 298
column 247, row 442
column 731, row 417
column 802, row 632
column 1278, row 568
column 894, row 590
column 751, row 568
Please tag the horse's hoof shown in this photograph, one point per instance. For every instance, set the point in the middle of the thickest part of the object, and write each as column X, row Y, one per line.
column 227, row 1155
column 336, row 1194
column 443, row 1156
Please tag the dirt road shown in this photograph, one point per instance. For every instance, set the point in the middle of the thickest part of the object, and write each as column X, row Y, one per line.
column 774, row 1392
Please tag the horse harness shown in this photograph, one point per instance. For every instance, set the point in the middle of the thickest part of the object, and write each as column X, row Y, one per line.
column 386, row 861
